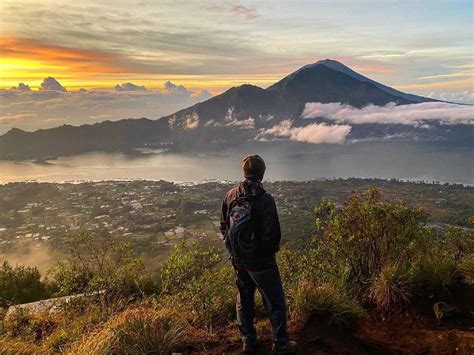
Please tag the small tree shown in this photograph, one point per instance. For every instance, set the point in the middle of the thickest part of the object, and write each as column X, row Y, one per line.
column 98, row 265
column 185, row 264
column 20, row 284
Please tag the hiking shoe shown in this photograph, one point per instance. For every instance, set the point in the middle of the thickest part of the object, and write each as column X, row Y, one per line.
column 286, row 348
column 250, row 348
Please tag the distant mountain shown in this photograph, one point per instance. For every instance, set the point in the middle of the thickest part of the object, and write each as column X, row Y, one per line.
column 231, row 117
column 325, row 81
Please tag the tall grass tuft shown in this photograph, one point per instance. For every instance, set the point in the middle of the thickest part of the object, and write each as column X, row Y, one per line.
column 391, row 290
column 135, row 331
column 325, row 301
column 465, row 269
column 432, row 274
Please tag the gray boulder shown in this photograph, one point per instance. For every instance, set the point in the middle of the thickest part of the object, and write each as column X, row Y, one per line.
column 443, row 310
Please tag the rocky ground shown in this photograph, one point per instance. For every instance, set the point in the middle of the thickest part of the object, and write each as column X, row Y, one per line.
column 399, row 335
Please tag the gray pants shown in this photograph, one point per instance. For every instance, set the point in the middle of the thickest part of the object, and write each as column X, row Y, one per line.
column 268, row 283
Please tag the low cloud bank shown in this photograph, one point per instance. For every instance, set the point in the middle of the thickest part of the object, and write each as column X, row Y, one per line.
column 414, row 114
column 313, row 133
column 53, row 105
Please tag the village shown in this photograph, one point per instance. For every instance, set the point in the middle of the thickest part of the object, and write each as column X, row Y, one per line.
column 156, row 215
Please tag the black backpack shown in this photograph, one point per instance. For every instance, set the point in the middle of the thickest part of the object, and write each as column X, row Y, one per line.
column 241, row 241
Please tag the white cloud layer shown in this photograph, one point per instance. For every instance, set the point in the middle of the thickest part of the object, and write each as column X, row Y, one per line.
column 414, row 115
column 28, row 109
column 313, row 133
column 248, row 123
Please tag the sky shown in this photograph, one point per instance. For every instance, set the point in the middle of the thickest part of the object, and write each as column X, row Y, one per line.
column 151, row 58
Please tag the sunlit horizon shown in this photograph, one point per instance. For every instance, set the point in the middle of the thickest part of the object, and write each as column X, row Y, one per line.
column 217, row 45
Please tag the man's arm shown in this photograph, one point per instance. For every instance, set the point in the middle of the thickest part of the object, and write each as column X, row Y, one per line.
column 224, row 226
column 271, row 226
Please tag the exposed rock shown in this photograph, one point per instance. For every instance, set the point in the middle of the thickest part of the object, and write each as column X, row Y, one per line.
column 443, row 310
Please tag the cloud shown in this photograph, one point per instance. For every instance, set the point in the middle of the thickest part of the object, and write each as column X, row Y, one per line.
column 312, row 133
column 169, row 86
column 437, row 85
column 192, row 121
column 129, row 87
column 466, row 96
column 248, row 123
column 53, row 108
column 21, row 87
column 9, row 119
column 414, row 114
column 203, row 95
column 230, row 120
column 459, row 74
column 249, row 13
column 181, row 90
column 51, row 84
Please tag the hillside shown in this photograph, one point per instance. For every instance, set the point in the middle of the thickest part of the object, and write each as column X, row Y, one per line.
column 123, row 135
column 372, row 278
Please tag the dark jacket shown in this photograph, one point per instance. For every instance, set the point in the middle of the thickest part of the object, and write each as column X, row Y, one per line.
column 265, row 219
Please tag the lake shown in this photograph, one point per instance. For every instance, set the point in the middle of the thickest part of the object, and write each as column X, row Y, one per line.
column 285, row 161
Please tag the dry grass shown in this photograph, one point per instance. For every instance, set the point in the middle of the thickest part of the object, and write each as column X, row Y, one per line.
column 10, row 346
column 28, row 326
column 135, row 331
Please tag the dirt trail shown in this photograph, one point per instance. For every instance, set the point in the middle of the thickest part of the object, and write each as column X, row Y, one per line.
column 400, row 336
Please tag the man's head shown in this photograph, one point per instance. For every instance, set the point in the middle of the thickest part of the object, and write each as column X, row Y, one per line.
column 253, row 167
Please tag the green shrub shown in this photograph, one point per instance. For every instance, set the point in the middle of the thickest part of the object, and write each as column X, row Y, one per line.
column 101, row 266
column 458, row 243
column 186, row 263
column 291, row 266
column 206, row 300
column 365, row 235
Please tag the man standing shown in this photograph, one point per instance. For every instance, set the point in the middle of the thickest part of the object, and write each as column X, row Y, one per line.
column 251, row 231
